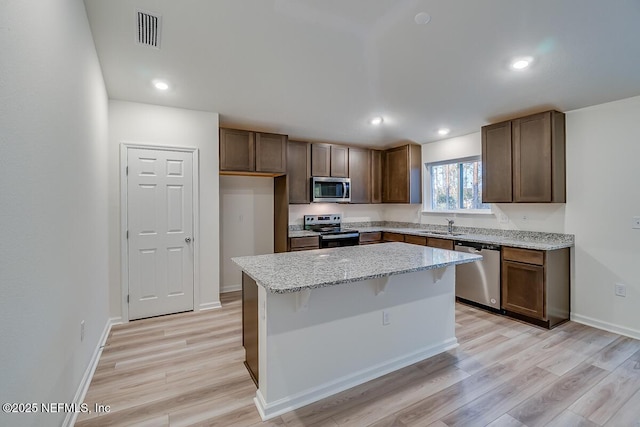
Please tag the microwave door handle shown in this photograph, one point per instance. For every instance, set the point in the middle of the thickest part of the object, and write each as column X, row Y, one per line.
column 344, row 190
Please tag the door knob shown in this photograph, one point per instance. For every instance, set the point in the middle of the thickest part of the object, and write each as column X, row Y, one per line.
column 187, row 239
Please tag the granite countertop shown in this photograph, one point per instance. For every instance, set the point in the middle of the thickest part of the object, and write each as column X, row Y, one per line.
column 515, row 238
column 296, row 271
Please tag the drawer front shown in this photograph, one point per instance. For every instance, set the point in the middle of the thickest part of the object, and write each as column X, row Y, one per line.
column 370, row 237
column 302, row 243
column 528, row 256
column 434, row 242
column 392, row 237
column 416, row 240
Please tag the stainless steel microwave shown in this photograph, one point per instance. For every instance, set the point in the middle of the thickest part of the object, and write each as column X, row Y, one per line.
column 330, row 190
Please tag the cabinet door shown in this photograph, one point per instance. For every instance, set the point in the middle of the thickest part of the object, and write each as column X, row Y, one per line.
column 497, row 183
column 271, row 153
column 360, row 174
column 339, row 161
column 523, row 289
column 392, row 237
column 237, row 150
column 376, row 176
column 532, row 158
column 304, row 243
column 250, row 325
column 299, row 171
column 370, row 237
column 396, row 175
column 415, row 240
column 434, row 242
column 320, row 159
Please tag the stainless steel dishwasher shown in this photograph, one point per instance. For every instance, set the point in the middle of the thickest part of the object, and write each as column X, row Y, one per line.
column 479, row 282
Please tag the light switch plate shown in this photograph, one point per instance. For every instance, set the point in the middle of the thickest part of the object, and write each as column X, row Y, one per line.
column 636, row 222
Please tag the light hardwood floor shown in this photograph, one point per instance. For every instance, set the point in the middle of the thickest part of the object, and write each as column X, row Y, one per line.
column 186, row 369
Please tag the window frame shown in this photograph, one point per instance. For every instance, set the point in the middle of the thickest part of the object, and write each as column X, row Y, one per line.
column 427, row 203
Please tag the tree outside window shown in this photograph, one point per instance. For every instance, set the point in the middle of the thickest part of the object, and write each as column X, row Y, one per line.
column 457, row 185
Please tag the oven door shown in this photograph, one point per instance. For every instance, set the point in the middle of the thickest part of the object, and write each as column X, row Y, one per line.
column 325, row 189
column 337, row 240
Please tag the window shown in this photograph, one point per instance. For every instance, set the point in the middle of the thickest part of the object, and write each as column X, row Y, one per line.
column 456, row 185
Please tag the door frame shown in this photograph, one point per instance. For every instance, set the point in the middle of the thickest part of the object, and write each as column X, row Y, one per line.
column 124, row 208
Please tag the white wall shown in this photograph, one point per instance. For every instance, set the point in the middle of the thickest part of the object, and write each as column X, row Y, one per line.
column 350, row 213
column 246, row 224
column 603, row 148
column 131, row 122
column 53, row 209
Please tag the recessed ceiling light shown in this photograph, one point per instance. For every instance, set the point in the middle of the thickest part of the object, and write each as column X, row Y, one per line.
column 422, row 18
column 444, row 131
column 160, row 85
column 521, row 63
column 376, row 121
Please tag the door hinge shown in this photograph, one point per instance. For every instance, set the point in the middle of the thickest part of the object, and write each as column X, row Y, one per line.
column 126, row 170
column 127, row 299
column 127, row 234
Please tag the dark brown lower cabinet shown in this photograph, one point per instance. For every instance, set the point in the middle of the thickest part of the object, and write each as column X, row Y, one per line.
column 434, row 242
column 304, row 243
column 370, row 237
column 250, row 326
column 415, row 240
column 523, row 289
column 392, row 237
column 535, row 285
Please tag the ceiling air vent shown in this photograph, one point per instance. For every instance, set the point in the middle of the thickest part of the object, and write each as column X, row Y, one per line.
column 148, row 26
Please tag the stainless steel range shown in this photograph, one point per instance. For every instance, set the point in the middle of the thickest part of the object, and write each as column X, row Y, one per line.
column 331, row 232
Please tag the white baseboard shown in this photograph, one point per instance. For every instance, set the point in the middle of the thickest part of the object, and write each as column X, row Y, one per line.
column 72, row 416
column 231, row 288
column 290, row 403
column 209, row 305
column 611, row 327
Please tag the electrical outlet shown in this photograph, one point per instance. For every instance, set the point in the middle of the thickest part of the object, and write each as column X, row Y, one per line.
column 386, row 318
column 621, row 290
column 636, row 222
column 525, row 218
column 504, row 219
column 82, row 331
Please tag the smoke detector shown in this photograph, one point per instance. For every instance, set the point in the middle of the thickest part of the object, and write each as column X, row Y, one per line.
column 148, row 27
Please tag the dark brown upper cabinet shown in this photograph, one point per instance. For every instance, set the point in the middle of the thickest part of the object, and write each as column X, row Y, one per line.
column 376, row 176
column 271, row 153
column 497, row 184
column 402, row 173
column 329, row 160
column 299, row 171
column 523, row 160
column 339, row 161
column 360, row 174
column 237, row 150
column 248, row 151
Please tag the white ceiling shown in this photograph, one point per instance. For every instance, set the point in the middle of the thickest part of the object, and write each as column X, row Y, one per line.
column 319, row 70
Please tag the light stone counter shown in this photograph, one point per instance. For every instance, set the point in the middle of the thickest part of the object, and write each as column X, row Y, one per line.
column 296, row 271
column 515, row 238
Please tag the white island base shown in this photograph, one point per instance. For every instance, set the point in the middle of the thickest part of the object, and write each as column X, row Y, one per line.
column 318, row 342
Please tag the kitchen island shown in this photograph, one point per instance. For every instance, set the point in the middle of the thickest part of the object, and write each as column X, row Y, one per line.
column 319, row 322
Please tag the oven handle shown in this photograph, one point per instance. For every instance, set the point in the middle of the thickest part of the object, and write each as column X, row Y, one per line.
column 339, row 236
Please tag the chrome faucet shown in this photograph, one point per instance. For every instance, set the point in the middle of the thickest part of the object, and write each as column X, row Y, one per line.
column 450, row 226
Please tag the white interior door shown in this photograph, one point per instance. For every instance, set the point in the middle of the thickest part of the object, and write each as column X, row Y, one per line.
column 160, row 232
